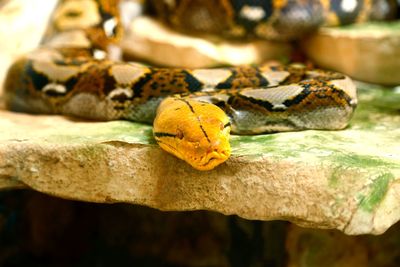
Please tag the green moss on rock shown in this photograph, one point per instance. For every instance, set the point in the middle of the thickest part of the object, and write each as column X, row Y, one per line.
column 378, row 189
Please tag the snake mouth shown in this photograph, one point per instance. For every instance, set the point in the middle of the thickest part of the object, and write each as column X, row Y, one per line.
column 211, row 160
column 204, row 162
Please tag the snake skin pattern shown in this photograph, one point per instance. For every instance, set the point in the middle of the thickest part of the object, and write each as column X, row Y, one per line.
column 273, row 19
column 71, row 75
column 74, row 72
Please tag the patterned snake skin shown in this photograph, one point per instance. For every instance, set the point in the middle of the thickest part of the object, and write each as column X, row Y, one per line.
column 73, row 74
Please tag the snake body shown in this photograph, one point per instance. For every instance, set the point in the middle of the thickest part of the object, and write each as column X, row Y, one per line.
column 193, row 110
column 270, row 19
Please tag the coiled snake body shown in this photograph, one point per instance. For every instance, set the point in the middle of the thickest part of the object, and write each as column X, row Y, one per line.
column 193, row 110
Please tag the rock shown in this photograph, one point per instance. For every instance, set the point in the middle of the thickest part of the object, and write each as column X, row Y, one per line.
column 37, row 229
column 148, row 40
column 367, row 52
column 310, row 247
column 347, row 180
column 24, row 30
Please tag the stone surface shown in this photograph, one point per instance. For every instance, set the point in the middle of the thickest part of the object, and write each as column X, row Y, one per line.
column 314, row 248
column 348, row 180
column 150, row 41
column 18, row 24
column 40, row 230
column 367, row 52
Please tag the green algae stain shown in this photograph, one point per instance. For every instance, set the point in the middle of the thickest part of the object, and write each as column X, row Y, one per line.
column 90, row 151
column 377, row 104
column 362, row 161
column 236, row 139
column 123, row 131
column 334, row 179
column 379, row 188
column 259, row 145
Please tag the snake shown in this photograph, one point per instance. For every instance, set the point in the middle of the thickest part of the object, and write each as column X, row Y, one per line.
column 193, row 111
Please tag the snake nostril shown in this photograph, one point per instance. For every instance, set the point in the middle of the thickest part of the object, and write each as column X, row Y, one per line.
column 179, row 134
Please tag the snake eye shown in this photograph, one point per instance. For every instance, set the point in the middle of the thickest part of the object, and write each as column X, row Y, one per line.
column 228, row 124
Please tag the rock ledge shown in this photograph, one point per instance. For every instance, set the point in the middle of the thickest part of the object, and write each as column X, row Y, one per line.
column 348, row 180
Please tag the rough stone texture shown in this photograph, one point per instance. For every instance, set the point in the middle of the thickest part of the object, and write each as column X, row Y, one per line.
column 348, row 180
column 368, row 52
column 18, row 24
column 40, row 230
column 314, row 248
column 149, row 40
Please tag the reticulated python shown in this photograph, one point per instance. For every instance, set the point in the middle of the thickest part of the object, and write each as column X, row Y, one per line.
column 193, row 109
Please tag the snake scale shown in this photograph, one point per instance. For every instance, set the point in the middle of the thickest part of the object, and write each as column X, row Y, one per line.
column 75, row 73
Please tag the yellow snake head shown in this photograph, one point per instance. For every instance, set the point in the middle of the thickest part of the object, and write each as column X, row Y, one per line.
column 194, row 131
